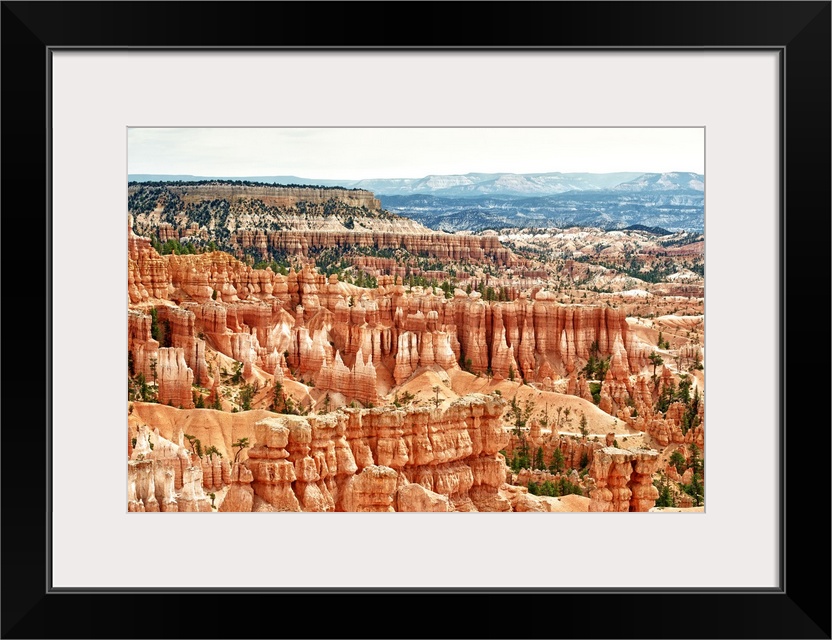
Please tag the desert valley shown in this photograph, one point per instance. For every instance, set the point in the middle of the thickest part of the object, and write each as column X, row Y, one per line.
column 296, row 347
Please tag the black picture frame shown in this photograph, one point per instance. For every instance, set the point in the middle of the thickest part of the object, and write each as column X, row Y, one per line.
column 800, row 608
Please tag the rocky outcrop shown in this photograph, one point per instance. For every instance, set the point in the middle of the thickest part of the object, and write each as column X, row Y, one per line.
column 440, row 246
column 143, row 350
column 309, row 449
column 175, row 378
column 427, row 348
column 164, row 476
column 488, row 477
column 359, row 382
column 365, row 460
column 521, row 501
column 180, row 324
column 696, row 436
column 373, row 490
column 216, row 472
column 192, row 497
column 141, row 486
column 623, row 479
column 240, row 495
column 303, row 322
column 272, row 195
column 272, row 472
column 644, row 494
column 196, row 278
column 147, row 273
column 449, row 458
column 414, row 497
column 295, row 220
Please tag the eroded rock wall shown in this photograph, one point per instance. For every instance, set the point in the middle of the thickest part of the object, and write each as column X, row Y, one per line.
column 623, row 480
column 365, row 460
column 362, row 341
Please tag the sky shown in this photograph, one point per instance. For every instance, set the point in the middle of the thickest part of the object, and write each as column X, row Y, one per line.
column 411, row 152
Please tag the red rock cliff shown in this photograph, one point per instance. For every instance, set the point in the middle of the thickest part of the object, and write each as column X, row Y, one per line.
column 363, row 460
column 317, row 326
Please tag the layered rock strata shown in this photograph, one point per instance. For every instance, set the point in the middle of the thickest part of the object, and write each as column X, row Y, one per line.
column 271, row 195
column 623, row 479
column 365, row 460
column 356, row 341
column 295, row 220
column 164, row 476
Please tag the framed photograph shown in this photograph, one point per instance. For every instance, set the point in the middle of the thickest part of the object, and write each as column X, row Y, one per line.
column 363, row 341
column 88, row 84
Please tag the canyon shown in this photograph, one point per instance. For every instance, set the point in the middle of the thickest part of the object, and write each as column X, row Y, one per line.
column 351, row 360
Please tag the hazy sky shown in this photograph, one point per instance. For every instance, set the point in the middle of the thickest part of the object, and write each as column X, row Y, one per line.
column 356, row 153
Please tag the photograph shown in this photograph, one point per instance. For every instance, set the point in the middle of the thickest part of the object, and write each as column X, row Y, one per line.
column 416, row 319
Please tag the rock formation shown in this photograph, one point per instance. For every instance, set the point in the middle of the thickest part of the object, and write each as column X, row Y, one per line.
column 164, row 476
column 298, row 341
column 275, row 196
column 623, row 480
column 373, row 489
column 317, row 327
column 364, row 459
column 272, row 473
column 414, row 497
column 240, row 496
column 175, row 378
column 294, row 220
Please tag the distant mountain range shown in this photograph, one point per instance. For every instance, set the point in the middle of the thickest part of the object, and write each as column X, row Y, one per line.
column 479, row 184
column 678, row 182
column 506, row 184
column 478, row 201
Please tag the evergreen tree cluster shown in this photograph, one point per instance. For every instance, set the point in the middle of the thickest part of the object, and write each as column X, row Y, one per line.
column 696, row 488
column 560, row 487
column 281, row 403
column 671, row 394
column 596, row 367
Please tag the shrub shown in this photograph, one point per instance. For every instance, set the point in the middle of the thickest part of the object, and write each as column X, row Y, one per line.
column 678, row 461
column 240, row 444
column 595, row 390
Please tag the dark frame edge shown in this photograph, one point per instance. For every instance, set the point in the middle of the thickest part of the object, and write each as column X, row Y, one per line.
column 49, row 319
column 25, row 154
column 806, row 105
